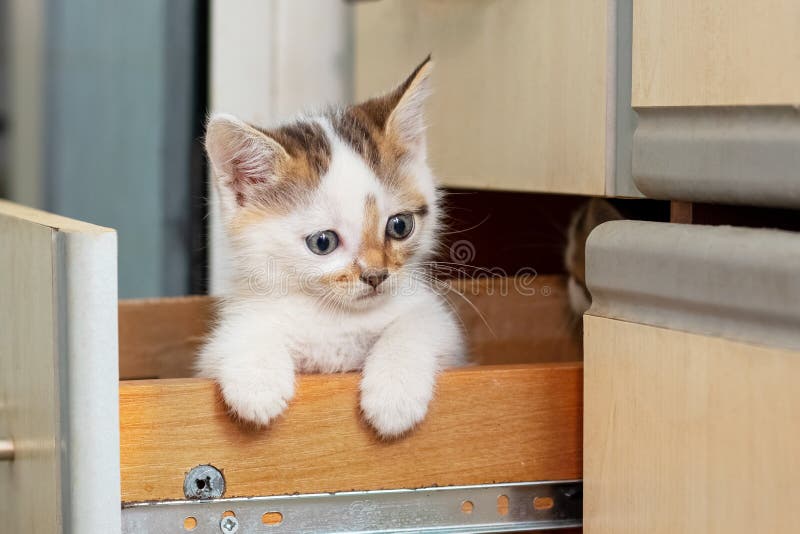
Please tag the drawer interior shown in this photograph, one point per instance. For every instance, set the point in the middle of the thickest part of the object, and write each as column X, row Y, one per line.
column 507, row 321
column 514, row 417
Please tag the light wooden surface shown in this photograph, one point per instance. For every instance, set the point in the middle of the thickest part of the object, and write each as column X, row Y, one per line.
column 716, row 52
column 159, row 338
column 486, row 424
column 515, row 320
column 520, row 87
column 688, row 433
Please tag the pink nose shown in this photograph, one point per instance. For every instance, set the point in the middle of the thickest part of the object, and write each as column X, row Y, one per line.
column 374, row 277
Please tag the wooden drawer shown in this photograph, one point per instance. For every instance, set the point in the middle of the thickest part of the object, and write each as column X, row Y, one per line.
column 515, row 417
column 691, row 364
column 688, row 433
column 170, row 422
column 525, row 91
column 716, row 86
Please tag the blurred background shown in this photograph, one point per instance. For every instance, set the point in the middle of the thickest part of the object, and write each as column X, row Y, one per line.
column 102, row 107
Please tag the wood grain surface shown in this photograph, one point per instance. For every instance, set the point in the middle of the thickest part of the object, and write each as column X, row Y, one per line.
column 520, row 86
column 486, row 424
column 716, row 52
column 688, row 433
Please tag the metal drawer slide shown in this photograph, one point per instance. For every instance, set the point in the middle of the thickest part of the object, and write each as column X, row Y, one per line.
column 455, row 509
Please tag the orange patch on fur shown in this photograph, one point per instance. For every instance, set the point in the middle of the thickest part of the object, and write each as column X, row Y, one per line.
column 371, row 129
column 348, row 275
column 248, row 216
column 371, row 250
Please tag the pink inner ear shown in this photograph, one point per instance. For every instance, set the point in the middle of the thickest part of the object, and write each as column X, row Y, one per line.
column 247, row 172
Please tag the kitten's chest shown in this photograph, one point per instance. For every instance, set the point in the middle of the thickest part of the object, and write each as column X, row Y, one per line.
column 331, row 350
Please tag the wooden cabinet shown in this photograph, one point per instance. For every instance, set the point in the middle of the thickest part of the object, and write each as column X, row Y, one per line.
column 716, row 86
column 95, row 454
column 691, row 362
column 525, row 92
column 688, row 433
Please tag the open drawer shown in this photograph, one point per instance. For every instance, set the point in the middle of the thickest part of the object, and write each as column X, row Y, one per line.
column 500, row 449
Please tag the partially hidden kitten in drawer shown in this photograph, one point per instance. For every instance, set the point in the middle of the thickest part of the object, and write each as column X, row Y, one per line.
column 331, row 220
column 590, row 215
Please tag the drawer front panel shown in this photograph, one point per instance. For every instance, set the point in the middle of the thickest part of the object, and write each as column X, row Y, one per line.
column 716, row 53
column 687, row 433
column 520, row 87
column 732, row 155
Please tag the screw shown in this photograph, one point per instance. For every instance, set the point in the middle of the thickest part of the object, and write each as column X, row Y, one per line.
column 204, row 482
column 229, row 525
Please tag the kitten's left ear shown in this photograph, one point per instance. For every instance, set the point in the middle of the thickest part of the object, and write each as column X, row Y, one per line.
column 406, row 119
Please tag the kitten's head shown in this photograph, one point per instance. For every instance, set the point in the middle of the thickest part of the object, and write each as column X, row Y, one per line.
column 340, row 205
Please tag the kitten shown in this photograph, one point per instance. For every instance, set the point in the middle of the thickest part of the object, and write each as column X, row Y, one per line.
column 330, row 219
column 584, row 220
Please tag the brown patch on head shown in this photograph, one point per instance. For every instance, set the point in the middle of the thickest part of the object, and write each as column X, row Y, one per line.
column 308, row 149
column 386, row 130
column 270, row 169
column 309, row 154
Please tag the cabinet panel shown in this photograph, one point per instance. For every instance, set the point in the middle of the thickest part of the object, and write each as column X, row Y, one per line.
column 716, row 52
column 521, row 88
column 58, row 374
column 687, row 433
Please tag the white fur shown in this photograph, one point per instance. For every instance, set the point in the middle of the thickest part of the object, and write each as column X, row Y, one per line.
column 283, row 318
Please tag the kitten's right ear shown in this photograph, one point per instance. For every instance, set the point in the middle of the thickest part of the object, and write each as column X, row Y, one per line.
column 243, row 158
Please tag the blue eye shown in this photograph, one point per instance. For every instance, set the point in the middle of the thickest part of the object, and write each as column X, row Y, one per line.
column 400, row 226
column 323, row 242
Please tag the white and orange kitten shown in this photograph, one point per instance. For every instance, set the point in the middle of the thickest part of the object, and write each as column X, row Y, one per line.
column 329, row 219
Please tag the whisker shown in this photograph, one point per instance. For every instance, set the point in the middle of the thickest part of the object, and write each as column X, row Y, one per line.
column 467, row 229
column 450, row 288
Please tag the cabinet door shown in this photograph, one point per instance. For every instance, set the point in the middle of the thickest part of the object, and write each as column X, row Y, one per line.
column 58, row 374
column 691, row 364
column 523, row 90
column 688, row 433
column 716, row 85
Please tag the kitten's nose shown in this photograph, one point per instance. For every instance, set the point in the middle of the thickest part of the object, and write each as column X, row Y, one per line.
column 374, row 277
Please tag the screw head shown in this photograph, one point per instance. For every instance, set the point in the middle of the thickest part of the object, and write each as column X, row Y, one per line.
column 229, row 525
column 204, row 482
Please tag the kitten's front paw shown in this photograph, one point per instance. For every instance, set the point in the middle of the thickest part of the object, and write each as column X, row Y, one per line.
column 258, row 398
column 393, row 405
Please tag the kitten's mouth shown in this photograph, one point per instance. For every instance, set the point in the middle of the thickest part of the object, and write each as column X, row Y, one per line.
column 374, row 293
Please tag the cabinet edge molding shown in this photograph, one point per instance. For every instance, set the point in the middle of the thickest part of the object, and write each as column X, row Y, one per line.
column 736, row 155
column 735, row 283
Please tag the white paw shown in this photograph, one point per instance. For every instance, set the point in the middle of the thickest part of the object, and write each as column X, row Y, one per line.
column 394, row 405
column 260, row 397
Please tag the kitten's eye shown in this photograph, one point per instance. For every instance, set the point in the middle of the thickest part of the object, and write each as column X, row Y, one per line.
column 400, row 225
column 322, row 243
